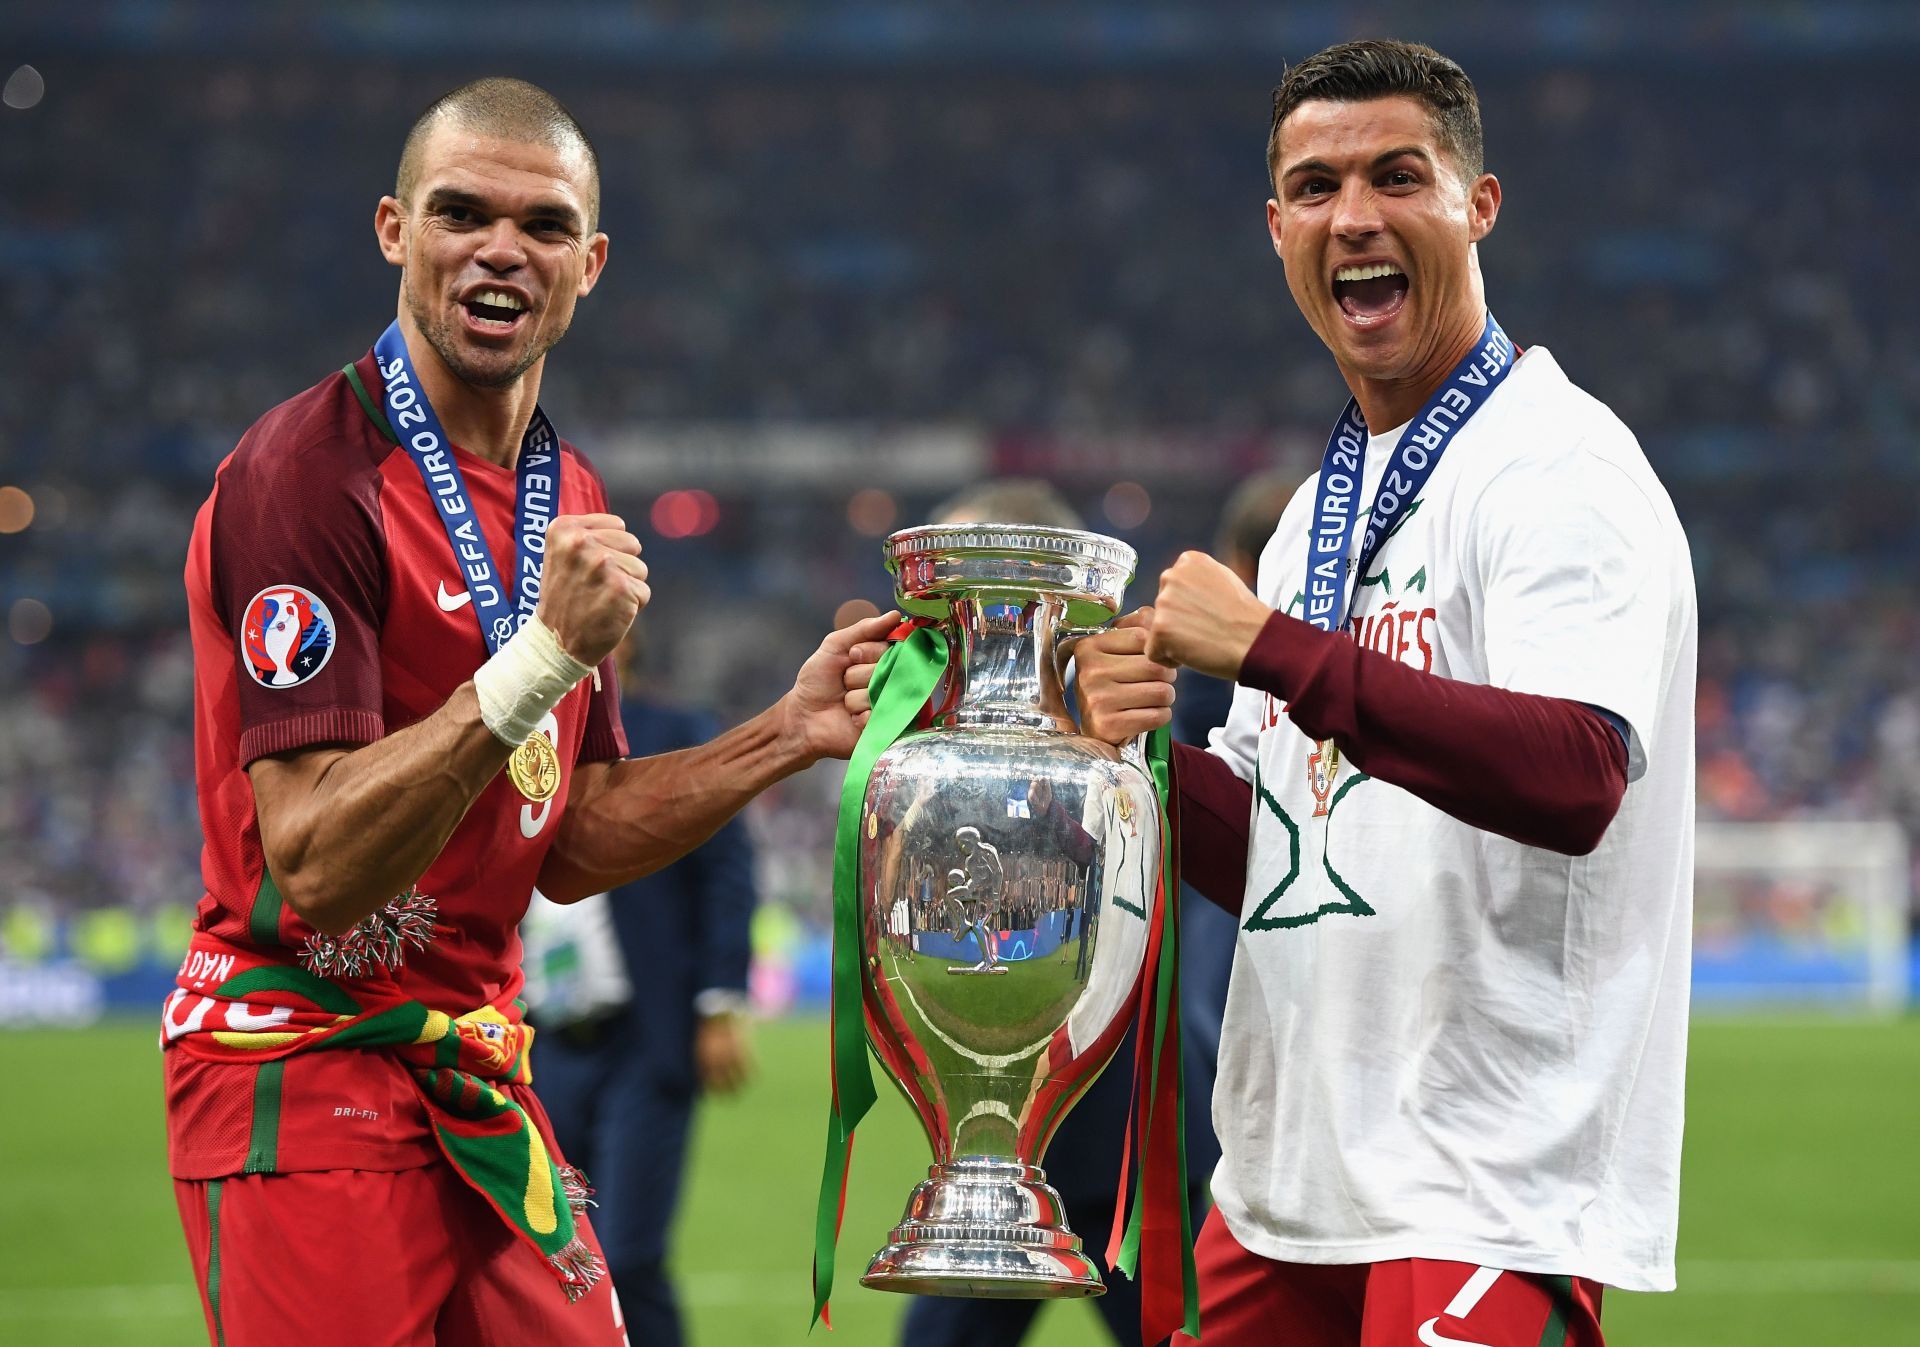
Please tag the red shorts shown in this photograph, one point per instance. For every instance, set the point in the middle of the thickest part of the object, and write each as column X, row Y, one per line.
column 413, row 1258
column 1247, row 1300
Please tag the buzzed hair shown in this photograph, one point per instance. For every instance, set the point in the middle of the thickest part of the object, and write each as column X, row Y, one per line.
column 508, row 109
column 1355, row 72
column 1010, row 500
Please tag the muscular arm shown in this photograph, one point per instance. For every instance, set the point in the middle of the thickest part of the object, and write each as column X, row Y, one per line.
column 344, row 830
column 624, row 819
column 1543, row 771
column 629, row 817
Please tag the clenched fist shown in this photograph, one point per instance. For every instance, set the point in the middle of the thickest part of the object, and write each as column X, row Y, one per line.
column 1205, row 617
column 592, row 584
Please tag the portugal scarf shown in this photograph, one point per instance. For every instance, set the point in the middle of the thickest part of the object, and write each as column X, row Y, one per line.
column 271, row 1011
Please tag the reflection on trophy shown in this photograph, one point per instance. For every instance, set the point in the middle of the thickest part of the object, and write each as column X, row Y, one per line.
column 973, row 894
column 1008, row 869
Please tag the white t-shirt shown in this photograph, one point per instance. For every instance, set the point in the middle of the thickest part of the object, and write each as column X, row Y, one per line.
column 1440, row 1043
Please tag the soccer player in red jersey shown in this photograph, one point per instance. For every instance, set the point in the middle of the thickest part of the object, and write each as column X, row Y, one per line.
column 357, row 1153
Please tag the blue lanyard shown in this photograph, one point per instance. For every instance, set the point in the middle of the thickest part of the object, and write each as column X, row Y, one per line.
column 538, row 474
column 1335, row 511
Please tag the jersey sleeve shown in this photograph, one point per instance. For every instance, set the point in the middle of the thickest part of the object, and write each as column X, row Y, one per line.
column 1570, row 555
column 298, row 578
column 606, row 737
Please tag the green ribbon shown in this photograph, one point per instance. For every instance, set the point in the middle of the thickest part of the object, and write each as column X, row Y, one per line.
column 1166, row 1035
column 905, row 677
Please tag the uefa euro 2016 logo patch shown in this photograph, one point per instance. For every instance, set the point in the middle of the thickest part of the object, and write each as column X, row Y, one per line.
column 288, row 636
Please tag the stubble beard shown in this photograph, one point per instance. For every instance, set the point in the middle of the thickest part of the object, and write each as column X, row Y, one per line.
column 445, row 337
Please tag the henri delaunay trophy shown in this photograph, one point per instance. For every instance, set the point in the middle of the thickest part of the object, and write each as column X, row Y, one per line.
column 1007, row 872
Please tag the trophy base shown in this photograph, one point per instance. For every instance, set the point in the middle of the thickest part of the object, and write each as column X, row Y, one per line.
column 987, row 1228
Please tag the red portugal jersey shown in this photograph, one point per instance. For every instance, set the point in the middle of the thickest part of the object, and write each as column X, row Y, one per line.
column 327, row 608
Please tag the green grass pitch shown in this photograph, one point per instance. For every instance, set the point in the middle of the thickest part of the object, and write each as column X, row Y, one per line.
column 1800, row 1221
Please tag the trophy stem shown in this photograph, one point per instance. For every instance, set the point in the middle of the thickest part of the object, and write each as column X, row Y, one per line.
column 982, row 1226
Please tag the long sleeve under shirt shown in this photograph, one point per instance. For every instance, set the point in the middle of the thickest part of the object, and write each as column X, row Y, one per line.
column 1543, row 771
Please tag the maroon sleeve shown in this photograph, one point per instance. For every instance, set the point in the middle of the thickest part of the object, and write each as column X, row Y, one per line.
column 298, row 570
column 606, row 736
column 1543, row 771
column 1215, row 806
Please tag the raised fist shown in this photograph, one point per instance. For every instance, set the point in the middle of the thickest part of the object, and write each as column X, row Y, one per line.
column 592, row 584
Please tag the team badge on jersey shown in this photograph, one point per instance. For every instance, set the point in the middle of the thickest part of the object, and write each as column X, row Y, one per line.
column 1323, row 765
column 288, row 636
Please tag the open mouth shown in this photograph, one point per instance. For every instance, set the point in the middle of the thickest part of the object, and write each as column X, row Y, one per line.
column 494, row 310
column 1370, row 294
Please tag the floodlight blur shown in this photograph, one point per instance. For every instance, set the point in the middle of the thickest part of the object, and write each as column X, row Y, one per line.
column 16, row 509
column 1127, row 505
column 29, row 621
column 684, row 514
column 871, row 511
column 24, row 88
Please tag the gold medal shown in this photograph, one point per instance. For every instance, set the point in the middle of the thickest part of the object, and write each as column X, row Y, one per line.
column 534, row 768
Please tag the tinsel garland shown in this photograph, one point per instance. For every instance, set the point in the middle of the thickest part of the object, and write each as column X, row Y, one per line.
column 379, row 940
column 579, row 1192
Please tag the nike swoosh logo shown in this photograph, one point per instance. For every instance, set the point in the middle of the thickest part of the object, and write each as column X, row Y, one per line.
column 1433, row 1337
column 452, row 603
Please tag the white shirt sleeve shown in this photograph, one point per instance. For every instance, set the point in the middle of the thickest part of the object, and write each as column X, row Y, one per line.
column 1236, row 742
column 1573, row 563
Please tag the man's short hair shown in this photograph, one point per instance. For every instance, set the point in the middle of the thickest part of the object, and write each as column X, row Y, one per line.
column 1010, row 500
column 508, row 109
column 1354, row 72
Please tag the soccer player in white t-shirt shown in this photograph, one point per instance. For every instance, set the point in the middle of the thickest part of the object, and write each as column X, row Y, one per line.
column 1453, row 807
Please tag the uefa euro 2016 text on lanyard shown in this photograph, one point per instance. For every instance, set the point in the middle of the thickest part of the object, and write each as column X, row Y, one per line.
column 500, row 604
column 1335, row 510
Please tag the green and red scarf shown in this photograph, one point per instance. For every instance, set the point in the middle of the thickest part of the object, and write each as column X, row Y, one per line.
column 271, row 1011
column 1154, row 1243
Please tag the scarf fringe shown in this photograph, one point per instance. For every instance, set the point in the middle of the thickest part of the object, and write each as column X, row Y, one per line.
column 578, row 1191
column 379, row 940
column 579, row 1269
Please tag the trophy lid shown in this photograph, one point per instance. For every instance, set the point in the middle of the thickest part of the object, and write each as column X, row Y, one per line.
column 937, row 563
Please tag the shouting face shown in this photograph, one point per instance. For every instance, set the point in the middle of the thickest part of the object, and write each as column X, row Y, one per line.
column 1377, row 227
column 497, row 248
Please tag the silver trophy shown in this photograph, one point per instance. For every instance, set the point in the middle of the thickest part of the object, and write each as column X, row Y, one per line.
column 1007, row 871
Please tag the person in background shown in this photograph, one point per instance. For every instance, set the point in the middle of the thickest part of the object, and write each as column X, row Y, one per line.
column 1207, row 932
column 1083, row 1162
column 632, row 1046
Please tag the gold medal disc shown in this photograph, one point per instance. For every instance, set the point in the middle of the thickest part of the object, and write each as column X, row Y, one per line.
column 534, row 768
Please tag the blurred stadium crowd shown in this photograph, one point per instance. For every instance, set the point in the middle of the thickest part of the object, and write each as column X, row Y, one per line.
column 1063, row 271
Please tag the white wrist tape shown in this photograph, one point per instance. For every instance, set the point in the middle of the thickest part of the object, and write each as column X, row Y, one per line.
column 525, row 679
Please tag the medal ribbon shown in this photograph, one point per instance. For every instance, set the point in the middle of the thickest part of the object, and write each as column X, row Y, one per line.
column 501, row 604
column 1335, row 513
column 1160, row 1225
column 905, row 677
